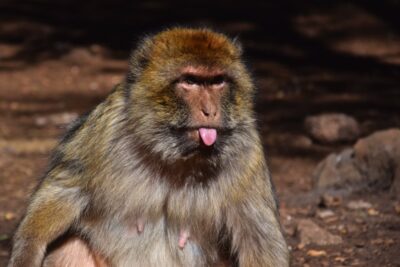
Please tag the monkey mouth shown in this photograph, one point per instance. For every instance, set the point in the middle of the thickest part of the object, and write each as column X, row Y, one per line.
column 204, row 136
column 208, row 135
column 204, row 139
column 207, row 141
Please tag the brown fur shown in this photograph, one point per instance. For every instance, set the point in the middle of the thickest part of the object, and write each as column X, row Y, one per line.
column 136, row 161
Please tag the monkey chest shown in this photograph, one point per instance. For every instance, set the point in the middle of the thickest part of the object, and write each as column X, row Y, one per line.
column 151, row 243
column 180, row 229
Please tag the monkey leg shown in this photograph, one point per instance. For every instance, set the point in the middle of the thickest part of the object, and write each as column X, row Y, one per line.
column 73, row 252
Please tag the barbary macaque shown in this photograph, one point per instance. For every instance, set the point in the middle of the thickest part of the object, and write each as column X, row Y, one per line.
column 168, row 171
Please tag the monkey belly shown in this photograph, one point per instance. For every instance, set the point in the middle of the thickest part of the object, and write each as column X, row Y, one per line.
column 154, row 246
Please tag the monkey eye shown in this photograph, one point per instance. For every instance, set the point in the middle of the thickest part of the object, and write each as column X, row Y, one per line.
column 192, row 81
column 188, row 81
column 218, row 81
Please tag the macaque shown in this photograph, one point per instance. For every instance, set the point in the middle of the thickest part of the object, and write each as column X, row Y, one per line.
column 168, row 171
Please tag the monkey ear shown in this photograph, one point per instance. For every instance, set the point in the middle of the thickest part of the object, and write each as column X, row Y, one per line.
column 139, row 59
column 238, row 45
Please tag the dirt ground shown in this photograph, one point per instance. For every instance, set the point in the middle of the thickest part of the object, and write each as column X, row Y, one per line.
column 316, row 62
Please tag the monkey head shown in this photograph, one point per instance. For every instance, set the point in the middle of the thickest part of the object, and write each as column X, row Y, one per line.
column 190, row 92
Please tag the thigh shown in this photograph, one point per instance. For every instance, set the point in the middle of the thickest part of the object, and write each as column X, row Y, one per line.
column 73, row 252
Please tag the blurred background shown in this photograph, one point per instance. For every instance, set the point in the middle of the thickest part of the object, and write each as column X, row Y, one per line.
column 328, row 105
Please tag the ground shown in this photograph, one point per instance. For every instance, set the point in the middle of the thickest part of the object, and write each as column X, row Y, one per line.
column 321, row 63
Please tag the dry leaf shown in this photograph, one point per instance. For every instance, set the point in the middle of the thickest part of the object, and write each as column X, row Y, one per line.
column 8, row 216
column 316, row 253
column 373, row 212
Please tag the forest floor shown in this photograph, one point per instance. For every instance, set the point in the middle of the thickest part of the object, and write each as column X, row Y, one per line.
column 358, row 76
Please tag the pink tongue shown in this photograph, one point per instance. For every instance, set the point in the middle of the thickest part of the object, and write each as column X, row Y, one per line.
column 208, row 136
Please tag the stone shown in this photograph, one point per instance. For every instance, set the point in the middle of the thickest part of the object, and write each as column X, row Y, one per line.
column 330, row 200
column 9, row 215
column 79, row 55
column 57, row 119
column 332, row 128
column 373, row 163
column 396, row 207
column 378, row 158
column 25, row 146
column 311, row 233
column 358, row 204
column 324, row 214
column 373, row 212
column 337, row 170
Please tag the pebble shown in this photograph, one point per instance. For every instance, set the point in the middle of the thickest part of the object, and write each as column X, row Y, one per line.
column 311, row 233
column 358, row 204
column 324, row 214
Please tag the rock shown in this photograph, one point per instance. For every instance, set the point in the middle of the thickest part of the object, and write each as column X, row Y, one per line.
column 310, row 233
column 341, row 228
column 373, row 212
column 291, row 140
column 301, row 141
column 337, row 170
column 324, row 214
column 4, row 253
column 389, row 242
column 395, row 188
column 288, row 225
column 329, row 200
column 4, row 237
column 397, row 207
column 289, row 229
column 25, row 146
column 332, row 128
column 79, row 55
column 97, row 49
column 373, row 162
column 352, row 228
column 8, row 216
column 58, row 119
column 378, row 158
column 359, row 204
column 340, row 259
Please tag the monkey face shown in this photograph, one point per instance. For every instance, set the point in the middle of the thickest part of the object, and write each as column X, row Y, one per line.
column 199, row 112
column 196, row 91
column 201, row 91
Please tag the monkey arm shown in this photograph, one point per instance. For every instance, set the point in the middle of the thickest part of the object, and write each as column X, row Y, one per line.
column 255, row 232
column 52, row 211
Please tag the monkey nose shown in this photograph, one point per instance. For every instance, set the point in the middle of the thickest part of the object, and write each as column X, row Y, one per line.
column 209, row 113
